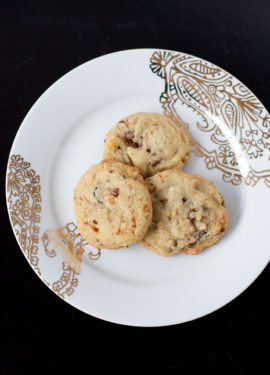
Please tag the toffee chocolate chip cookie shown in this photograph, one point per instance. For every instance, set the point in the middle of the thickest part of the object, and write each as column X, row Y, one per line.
column 112, row 205
column 149, row 141
column 189, row 214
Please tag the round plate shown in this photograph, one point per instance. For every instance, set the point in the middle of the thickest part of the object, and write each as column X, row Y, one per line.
column 63, row 134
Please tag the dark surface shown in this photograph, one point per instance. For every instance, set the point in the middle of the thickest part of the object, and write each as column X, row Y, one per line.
column 39, row 42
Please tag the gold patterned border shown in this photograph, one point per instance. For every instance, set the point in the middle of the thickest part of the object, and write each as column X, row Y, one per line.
column 68, row 242
column 24, row 205
column 232, row 118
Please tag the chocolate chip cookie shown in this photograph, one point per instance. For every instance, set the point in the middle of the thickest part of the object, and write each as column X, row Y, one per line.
column 149, row 141
column 112, row 205
column 189, row 214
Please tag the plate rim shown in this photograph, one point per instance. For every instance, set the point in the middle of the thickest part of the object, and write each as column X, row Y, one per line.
column 13, row 145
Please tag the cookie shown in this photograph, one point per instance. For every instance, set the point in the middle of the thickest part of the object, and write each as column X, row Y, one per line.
column 149, row 141
column 112, row 205
column 189, row 214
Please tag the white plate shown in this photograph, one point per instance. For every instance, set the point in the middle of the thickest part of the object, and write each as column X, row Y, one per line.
column 63, row 134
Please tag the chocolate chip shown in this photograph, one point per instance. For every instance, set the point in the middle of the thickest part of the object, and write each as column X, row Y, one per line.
column 119, row 148
column 129, row 135
column 200, row 233
column 148, row 150
column 94, row 195
column 174, row 243
column 163, row 200
column 115, row 192
column 184, row 200
column 155, row 162
column 129, row 139
column 111, row 171
column 95, row 222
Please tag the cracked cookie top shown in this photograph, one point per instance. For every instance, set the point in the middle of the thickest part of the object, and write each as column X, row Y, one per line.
column 189, row 214
column 149, row 141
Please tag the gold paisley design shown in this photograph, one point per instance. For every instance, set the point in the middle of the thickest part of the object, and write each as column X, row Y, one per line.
column 24, row 205
column 235, row 123
column 68, row 242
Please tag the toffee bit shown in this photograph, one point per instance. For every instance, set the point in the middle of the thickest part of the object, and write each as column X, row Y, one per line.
column 133, row 222
column 124, row 121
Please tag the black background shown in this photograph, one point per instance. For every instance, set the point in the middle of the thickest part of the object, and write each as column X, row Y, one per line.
column 39, row 42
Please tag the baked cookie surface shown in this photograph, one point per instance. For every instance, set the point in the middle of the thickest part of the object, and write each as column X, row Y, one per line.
column 112, row 205
column 149, row 141
column 189, row 214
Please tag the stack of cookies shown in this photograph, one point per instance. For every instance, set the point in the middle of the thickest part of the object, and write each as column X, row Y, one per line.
column 138, row 193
